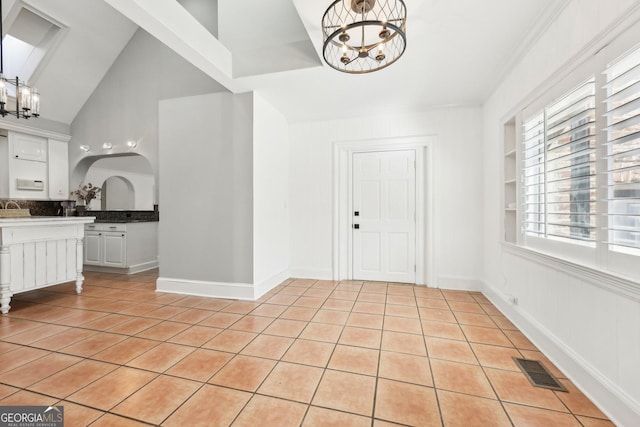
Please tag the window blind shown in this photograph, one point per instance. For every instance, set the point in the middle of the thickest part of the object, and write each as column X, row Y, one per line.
column 533, row 169
column 623, row 153
column 571, row 175
column 559, row 174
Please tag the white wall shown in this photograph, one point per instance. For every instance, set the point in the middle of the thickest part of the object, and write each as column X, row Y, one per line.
column 206, row 230
column 592, row 333
column 124, row 106
column 271, row 194
column 457, row 188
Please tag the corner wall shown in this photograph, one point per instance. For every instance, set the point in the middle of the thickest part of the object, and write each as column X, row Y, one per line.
column 592, row 333
column 206, row 183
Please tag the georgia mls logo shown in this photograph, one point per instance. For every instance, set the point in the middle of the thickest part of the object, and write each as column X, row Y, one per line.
column 31, row 416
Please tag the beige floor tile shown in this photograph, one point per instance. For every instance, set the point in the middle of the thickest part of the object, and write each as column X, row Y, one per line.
column 268, row 347
column 577, row 402
column 32, row 372
column 322, row 417
column 78, row 415
column 482, row 335
column 299, row 313
column 357, row 360
column 292, row 382
column 19, row 357
column 221, row 320
column 73, row 378
column 198, row 410
column 462, row 378
column 161, row 357
column 346, row 392
column 285, row 328
column 331, row 316
column 408, row 404
column 269, row 411
column 244, row 373
column 493, row 356
column 405, row 367
column 268, row 310
column 365, row 320
column 322, row 332
column 195, row 336
column 402, row 324
column 471, row 411
column 456, row 351
column 515, row 387
column 403, row 343
column 360, row 337
column 231, row 341
column 526, row 416
column 157, row 400
column 126, row 350
column 200, row 365
column 113, row 388
column 307, row 352
column 442, row 330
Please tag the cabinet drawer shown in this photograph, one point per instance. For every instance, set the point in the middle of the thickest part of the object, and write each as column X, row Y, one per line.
column 105, row 226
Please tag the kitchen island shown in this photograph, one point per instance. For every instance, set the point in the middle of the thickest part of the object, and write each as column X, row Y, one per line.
column 37, row 252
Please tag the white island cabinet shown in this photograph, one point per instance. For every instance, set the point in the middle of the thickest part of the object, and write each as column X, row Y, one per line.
column 37, row 252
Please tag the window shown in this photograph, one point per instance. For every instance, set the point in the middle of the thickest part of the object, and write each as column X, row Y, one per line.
column 580, row 164
column 559, row 168
column 623, row 153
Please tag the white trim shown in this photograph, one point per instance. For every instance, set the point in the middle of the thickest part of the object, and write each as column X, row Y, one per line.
column 311, row 273
column 459, row 283
column 243, row 291
column 621, row 408
column 18, row 127
column 262, row 288
column 342, row 158
column 626, row 287
column 138, row 268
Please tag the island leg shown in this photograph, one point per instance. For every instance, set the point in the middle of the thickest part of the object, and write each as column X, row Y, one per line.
column 79, row 261
column 5, row 279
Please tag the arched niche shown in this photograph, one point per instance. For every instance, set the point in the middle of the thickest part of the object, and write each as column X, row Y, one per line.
column 137, row 182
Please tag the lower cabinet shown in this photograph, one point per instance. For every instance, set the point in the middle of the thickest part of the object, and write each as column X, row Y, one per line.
column 122, row 248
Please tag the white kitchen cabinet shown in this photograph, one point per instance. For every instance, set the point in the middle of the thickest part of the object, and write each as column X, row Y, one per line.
column 121, row 248
column 33, row 167
column 58, row 172
column 28, row 147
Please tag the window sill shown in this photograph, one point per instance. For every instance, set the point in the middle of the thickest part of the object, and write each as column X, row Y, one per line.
column 626, row 286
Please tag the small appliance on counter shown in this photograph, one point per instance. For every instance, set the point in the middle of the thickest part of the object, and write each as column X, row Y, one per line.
column 67, row 208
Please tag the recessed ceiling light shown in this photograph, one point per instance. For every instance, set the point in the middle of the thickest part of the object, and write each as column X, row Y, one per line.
column 132, row 144
column 107, row 146
column 85, row 148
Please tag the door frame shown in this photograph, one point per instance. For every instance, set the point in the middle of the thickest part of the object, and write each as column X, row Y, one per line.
column 343, row 152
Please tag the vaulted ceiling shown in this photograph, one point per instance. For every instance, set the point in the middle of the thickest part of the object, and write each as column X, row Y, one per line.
column 457, row 51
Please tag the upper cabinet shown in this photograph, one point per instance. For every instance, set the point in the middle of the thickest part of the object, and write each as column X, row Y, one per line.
column 33, row 167
column 58, row 170
column 28, row 147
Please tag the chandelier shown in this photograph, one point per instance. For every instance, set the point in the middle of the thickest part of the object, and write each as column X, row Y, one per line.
column 361, row 36
column 27, row 98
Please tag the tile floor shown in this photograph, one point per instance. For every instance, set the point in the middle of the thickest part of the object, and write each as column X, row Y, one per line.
column 311, row 353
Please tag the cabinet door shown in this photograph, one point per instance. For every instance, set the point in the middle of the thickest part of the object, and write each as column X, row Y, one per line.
column 28, row 147
column 93, row 247
column 58, row 170
column 114, row 249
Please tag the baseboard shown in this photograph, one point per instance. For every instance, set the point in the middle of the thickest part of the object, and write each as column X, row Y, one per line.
column 243, row 291
column 311, row 273
column 612, row 401
column 458, row 283
column 265, row 286
column 138, row 268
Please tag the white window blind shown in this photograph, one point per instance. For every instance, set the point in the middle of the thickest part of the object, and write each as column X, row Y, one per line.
column 533, row 172
column 559, row 174
column 623, row 153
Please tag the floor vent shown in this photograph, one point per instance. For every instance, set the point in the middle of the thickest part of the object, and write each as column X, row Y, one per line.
column 539, row 375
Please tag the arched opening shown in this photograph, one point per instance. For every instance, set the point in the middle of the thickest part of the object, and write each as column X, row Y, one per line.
column 132, row 186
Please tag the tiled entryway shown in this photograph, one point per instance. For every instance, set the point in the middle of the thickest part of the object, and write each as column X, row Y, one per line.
column 311, row 353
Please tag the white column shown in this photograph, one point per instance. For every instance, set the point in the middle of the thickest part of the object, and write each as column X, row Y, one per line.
column 5, row 279
column 79, row 261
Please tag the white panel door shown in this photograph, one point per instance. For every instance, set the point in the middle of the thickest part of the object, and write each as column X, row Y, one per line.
column 384, row 206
